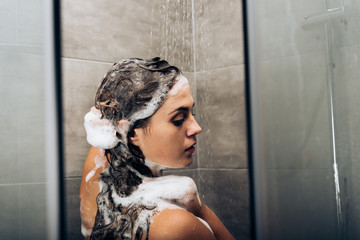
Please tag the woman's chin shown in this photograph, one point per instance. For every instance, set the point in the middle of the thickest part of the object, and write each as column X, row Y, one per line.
column 187, row 162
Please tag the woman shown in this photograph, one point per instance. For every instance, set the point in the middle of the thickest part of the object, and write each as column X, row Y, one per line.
column 142, row 123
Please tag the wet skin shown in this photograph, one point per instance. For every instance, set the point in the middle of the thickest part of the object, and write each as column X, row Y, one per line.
column 170, row 137
column 168, row 140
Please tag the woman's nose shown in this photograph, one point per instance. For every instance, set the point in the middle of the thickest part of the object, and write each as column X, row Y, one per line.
column 194, row 128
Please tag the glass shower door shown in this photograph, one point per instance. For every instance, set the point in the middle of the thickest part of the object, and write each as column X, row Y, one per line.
column 305, row 116
column 29, row 151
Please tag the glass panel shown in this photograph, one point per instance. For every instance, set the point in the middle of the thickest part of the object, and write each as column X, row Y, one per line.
column 23, row 175
column 346, row 68
column 307, row 124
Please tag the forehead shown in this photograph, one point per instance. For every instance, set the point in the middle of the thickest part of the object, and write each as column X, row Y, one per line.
column 182, row 98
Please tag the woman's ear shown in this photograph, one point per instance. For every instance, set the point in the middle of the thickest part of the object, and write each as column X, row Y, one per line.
column 134, row 137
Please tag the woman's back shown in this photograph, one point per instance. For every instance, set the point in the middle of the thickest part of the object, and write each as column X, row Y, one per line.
column 178, row 207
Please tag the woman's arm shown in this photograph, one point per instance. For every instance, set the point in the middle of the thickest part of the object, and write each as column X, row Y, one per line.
column 178, row 224
column 204, row 212
column 95, row 163
column 174, row 224
column 199, row 209
column 220, row 231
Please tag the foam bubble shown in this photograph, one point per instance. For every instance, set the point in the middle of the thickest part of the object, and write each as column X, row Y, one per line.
column 174, row 90
column 101, row 133
column 155, row 168
column 157, row 194
column 157, row 99
column 153, row 105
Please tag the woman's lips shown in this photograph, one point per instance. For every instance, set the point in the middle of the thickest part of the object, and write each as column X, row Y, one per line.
column 190, row 149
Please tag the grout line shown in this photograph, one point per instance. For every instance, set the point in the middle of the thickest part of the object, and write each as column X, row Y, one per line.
column 300, row 169
column 222, row 169
column 87, row 60
column 193, row 33
column 21, row 184
column 72, row 177
column 194, row 61
column 221, row 68
column 20, row 44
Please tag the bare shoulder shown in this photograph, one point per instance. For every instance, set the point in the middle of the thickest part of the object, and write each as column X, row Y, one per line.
column 174, row 224
column 89, row 188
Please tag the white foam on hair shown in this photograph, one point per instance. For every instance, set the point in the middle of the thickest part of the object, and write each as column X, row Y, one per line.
column 157, row 194
column 101, row 133
column 150, row 108
column 175, row 89
column 157, row 99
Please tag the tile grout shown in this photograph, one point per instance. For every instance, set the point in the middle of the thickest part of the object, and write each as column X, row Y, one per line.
column 87, row 60
column 220, row 68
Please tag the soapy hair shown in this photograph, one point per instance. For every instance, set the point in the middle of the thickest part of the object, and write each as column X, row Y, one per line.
column 132, row 90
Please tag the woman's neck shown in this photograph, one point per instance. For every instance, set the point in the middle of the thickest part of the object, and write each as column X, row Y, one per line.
column 156, row 169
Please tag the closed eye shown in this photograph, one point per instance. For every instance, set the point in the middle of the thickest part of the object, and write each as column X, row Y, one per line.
column 178, row 122
column 179, row 119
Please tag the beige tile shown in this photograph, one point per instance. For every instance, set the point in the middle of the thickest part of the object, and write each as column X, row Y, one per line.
column 80, row 82
column 113, row 30
column 219, row 34
column 172, row 33
column 226, row 192
column 221, row 114
column 106, row 31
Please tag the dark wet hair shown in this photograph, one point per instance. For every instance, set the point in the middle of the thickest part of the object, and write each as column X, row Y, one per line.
column 128, row 90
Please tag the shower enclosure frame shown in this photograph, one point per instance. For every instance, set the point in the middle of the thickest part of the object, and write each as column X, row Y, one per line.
column 56, row 229
column 256, row 180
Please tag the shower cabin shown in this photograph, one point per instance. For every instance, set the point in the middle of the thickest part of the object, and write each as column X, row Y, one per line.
column 300, row 151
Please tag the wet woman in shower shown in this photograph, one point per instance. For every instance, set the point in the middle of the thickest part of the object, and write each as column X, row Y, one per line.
column 142, row 122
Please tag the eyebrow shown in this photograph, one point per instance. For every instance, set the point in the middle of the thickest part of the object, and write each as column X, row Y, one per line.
column 182, row 109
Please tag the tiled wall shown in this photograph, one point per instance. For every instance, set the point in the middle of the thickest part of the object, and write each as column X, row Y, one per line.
column 207, row 45
column 22, row 156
